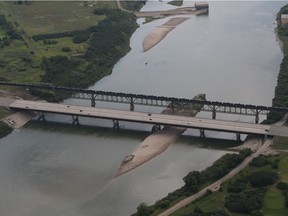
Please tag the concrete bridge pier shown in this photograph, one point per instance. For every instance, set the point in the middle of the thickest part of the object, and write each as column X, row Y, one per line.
column 214, row 112
column 41, row 116
column 257, row 117
column 115, row 124
column 156, row 128
column 131, row 104
column 75, row 120
column 238, row 137
column 202, row 133
column 93, row 102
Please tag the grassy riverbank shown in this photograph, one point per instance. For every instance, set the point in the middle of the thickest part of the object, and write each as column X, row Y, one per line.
column 72, row 47
column 246, row 194
column 72, row 44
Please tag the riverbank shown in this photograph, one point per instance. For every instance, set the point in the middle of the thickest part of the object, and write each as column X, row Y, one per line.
column 281, row 91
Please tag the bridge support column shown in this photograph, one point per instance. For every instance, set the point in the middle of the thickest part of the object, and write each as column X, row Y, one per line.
column 93, row 102
column 75, row 120
column 115, row 124
column 41, row 117
column 131, row 104
column 202, row 133
column 213, row 112
column 257, row 117
column 156, row 128
column 172, row 106
column 238, row 137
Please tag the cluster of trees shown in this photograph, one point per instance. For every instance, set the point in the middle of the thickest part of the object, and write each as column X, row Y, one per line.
column 282, row 30
column 246, row 201
column 263, row 160
column 78, row 35
column 134, row 5
column 49, row 41
column 195, row 180
column 108, row 43
column 246, row 193
column 10, row 31
column 281, row 91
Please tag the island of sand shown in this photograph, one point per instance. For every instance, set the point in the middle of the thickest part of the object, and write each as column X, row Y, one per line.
column 160, row 32
column 159, row 141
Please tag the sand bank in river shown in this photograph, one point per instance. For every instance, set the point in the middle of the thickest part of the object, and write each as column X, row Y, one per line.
column 160, row 32
column 152, row 146
column 158, row 142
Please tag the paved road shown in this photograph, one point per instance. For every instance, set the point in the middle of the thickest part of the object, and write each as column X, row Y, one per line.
column 162, row 119
column 216, row 185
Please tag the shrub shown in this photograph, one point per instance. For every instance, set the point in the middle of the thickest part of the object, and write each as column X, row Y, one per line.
column 66, row 49
column 262, row 178
column 282, row 186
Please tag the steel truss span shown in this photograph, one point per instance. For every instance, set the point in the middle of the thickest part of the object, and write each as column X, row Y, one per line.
column 151, row 100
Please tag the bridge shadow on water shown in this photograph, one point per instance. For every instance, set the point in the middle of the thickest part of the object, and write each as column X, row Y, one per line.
column 127, row 133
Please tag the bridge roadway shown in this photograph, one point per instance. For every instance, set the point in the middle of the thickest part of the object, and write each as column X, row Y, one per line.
column 158, row 119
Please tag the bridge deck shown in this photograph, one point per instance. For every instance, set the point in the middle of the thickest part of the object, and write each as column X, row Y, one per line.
column 172, row 120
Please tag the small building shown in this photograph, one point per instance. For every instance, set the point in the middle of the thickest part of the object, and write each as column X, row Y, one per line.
column 284, row 19
column 201, row 5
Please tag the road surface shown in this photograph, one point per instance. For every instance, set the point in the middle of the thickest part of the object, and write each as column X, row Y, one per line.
column 160, row 119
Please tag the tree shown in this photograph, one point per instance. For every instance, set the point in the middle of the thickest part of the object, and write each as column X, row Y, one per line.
column 143, row 210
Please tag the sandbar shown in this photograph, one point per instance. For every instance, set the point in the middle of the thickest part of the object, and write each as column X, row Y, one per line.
column 160, row 32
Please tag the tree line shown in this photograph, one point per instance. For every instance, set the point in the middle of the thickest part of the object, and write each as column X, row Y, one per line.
column 195, row 181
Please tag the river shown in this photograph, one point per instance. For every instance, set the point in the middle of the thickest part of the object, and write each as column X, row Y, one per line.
column 55, row 169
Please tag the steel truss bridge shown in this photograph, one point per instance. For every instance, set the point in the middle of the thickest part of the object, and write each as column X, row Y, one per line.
column 150, row 100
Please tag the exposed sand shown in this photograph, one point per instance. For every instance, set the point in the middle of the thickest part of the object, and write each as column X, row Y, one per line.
column 19, row 119
column 160, row 32
column 152, row 146
column 158, row 142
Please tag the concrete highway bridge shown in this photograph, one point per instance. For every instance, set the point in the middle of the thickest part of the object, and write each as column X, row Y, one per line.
column 142, row 117
column 150, row 100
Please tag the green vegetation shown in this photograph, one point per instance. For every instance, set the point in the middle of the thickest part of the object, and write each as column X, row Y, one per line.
column 281, row 91
column 195, row 181
column 257, row 190
column 176, row 2
column 66, row 43
column 4, row 129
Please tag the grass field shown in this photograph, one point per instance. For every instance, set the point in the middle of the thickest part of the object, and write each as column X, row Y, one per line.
column 51, row 16
column 274, row 203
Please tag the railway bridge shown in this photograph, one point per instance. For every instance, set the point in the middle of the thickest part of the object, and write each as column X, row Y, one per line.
column 150, row 100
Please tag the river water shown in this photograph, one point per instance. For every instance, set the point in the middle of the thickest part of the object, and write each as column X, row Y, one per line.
column 54, row 169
